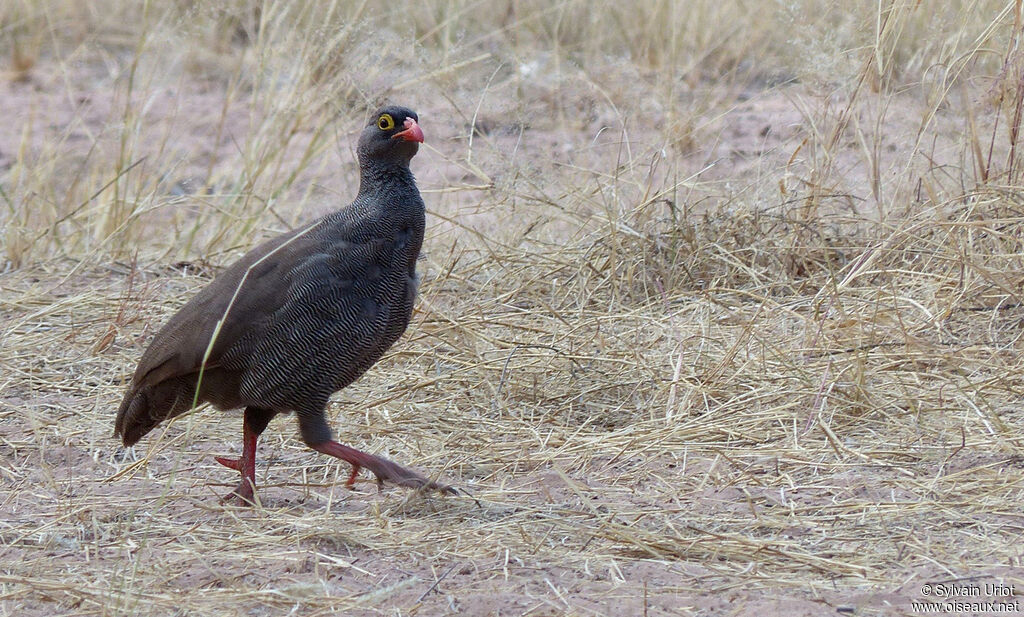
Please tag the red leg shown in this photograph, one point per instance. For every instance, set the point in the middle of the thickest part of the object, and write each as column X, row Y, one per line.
column 385, row 470
column 246, row 465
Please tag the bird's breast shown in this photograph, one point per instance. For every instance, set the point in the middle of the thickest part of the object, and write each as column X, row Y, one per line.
column 403, row 237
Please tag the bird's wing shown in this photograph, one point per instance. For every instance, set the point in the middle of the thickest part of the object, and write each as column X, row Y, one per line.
column 260, row 280
column 335, row 315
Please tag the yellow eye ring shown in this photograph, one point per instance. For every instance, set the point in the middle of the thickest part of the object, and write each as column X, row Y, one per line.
column 385, row 122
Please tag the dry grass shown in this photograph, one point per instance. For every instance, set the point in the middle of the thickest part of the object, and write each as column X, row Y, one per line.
column 721, row 311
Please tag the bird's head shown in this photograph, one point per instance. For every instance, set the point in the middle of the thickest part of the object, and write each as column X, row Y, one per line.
column 392, row 137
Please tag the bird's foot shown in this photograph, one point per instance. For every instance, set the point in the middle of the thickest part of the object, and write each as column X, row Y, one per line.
column 243, row 495
column 385, row 470
column 388, row 471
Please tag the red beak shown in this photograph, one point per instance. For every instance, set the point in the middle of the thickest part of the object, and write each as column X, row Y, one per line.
column 412, row 132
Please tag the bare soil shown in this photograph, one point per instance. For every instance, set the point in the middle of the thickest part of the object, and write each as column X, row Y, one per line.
column 583, row 499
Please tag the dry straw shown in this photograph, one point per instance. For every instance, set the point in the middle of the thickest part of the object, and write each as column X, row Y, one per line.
column 711, row 320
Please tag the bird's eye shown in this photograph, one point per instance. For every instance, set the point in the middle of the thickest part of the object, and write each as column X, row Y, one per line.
column 385, row 122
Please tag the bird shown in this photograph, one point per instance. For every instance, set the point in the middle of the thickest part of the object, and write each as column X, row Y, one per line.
column 298, row 318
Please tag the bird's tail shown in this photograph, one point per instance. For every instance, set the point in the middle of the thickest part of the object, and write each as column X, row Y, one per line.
column 142, row 409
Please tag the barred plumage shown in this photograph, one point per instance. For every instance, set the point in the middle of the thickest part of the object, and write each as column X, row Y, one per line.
column 304, row 315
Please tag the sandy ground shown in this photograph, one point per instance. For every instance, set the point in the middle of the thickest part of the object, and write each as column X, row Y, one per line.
column 565, row 521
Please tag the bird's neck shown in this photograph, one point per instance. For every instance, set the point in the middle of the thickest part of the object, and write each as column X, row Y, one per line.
column 381, row 180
